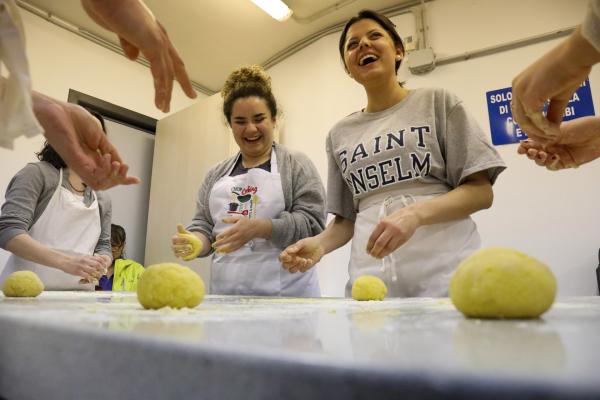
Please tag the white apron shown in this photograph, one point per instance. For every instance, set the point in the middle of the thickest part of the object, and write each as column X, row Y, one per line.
column 421, row 267
column 254, row 269
column 16, row 112
column 68, row 226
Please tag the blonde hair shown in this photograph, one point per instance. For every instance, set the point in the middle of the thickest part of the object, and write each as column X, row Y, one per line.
column 248, row 81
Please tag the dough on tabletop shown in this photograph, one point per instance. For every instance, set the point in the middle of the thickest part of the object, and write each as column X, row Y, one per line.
column 500, row 282
column 368, row 287
column 169, row 285
column 22, row 284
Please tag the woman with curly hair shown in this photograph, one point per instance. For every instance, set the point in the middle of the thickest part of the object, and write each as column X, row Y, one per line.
column 253, row 205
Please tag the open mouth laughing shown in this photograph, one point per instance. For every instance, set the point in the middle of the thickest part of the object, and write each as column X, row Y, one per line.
column 367, row 59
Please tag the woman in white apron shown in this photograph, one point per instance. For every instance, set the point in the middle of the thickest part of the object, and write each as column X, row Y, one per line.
column 55, row 226
column 405, row 174
column 250, row 207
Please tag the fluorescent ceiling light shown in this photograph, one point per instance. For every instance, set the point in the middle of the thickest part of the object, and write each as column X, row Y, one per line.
column 275, row 8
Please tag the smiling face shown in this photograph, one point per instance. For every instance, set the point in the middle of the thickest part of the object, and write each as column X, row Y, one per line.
column 370, row 53
column 252, row 125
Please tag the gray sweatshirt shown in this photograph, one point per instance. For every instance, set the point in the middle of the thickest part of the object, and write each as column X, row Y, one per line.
column 28, row 194
column 303, row 192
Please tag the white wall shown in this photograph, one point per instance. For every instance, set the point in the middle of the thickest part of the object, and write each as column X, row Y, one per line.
column 61, row 60
column 551, row 216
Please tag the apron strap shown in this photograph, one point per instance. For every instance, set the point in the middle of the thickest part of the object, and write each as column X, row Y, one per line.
column 274, row 169
column 60, row 180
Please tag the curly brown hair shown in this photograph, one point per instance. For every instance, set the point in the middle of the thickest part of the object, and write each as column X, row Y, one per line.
column 248, row 81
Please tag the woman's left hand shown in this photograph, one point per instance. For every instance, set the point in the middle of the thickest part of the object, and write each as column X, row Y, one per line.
column 243, row 230
column 392, row 232
column 106, row 262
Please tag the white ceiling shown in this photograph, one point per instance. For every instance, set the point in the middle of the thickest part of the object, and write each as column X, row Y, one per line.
column 216, row 36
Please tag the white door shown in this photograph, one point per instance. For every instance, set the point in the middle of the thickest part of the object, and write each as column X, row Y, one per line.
column 130, row 203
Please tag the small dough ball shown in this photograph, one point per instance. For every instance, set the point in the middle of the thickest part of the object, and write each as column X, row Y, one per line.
column 22, row 284
column 368, row 287
column 169, row 285
column 194, row 242
column 500, row 282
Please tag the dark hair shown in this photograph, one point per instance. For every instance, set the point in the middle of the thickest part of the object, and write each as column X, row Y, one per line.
column 117, row 236
column 247, row 82
column 48, row 154
column 382, row 20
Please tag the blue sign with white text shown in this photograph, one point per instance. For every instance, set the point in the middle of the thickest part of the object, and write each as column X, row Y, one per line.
column 505, row 130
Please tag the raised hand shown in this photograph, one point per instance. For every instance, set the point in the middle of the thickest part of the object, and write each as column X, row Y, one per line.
column 577, row 143
column 140, row 32
column 79, row 139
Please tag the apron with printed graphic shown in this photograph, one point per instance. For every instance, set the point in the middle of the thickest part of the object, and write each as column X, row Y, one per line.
column 421, row 267
column 254, row 269
column 68, row 226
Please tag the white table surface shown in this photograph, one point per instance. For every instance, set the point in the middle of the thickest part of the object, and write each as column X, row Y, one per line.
column 103, row 345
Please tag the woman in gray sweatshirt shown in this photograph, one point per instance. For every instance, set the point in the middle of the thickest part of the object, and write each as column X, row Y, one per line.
column 253, row 205
column 55, row 226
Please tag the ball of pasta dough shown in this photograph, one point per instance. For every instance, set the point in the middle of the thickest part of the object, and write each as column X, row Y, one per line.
column 500, row 282
column 169, row 285
column 368, row 287
column 22, row 284
column 194, row 242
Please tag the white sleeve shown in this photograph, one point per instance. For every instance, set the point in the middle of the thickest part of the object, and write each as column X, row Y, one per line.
column 16, row 106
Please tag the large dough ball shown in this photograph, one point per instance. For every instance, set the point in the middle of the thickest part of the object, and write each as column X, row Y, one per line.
column 169, row 285
column 22, row 284
column 368, row 287
column 502, row 283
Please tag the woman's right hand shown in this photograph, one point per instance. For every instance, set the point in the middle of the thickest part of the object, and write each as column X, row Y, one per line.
column 302, row 256
column 89, row 268
column 578, row 143
column 554, row 77
column 185, row 244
